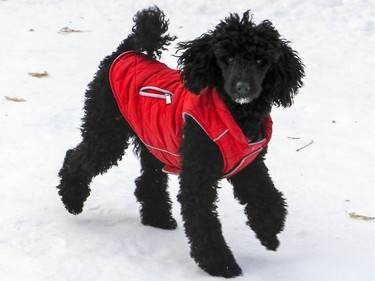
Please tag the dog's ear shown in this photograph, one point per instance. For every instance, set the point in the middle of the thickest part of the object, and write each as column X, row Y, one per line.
column 197, row 64
column 285, row 76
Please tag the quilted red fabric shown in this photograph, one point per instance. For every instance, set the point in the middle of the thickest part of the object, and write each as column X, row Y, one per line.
column 154, row 102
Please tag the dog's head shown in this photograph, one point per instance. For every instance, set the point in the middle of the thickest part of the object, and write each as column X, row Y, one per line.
column 243, row 61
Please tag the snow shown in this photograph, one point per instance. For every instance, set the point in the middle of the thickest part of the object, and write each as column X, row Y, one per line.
column 323, row 182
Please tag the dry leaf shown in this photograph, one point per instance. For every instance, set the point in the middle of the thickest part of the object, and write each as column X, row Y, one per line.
column 39, row 74
column 70, row 30
column 14, row 99
column 361, row 217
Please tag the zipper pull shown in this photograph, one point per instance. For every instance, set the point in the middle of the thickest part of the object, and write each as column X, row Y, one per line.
column 168, row 98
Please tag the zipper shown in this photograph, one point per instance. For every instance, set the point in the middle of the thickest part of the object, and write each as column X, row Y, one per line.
column 155, row 92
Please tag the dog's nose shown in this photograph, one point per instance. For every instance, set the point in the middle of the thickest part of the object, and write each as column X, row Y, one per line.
column 242, row 88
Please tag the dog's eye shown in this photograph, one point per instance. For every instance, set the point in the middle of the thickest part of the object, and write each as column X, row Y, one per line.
column 230, row 60
column 259, row 62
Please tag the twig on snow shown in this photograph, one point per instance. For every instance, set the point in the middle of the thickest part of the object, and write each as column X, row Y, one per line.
column 310, row 143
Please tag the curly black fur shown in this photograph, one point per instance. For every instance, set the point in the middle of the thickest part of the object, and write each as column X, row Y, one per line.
column 252, row 68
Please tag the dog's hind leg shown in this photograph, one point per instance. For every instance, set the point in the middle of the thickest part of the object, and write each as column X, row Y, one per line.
column 265, row 206
column 201, row 170
column 151, row 191
column 105, row 134
column 105, row 137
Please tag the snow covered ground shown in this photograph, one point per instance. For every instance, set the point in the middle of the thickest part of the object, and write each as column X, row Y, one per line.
column 323, row 182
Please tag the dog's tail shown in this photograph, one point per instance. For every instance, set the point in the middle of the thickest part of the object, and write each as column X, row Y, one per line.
column 148, row 33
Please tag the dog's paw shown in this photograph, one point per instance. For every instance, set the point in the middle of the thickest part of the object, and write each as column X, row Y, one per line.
column 224, row 268
column 217, row 263
column 73, row 196
column 73, row 207
column 74, row 211
column 168, row 224
column 271, row 243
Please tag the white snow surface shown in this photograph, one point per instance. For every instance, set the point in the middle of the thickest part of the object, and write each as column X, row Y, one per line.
column 323, row 183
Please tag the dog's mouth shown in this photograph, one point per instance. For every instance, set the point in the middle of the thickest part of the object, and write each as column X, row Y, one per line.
column 243, row 100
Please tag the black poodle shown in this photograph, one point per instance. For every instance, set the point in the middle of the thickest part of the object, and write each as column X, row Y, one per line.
column 240, row 67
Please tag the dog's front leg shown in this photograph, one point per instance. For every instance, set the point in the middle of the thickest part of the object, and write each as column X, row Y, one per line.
column 265, row 206
column 201, row 169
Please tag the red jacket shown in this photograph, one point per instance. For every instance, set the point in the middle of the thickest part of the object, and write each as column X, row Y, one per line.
column 154, row 102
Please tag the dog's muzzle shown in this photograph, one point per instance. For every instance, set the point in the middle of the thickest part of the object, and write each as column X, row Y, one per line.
column 242, row 90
